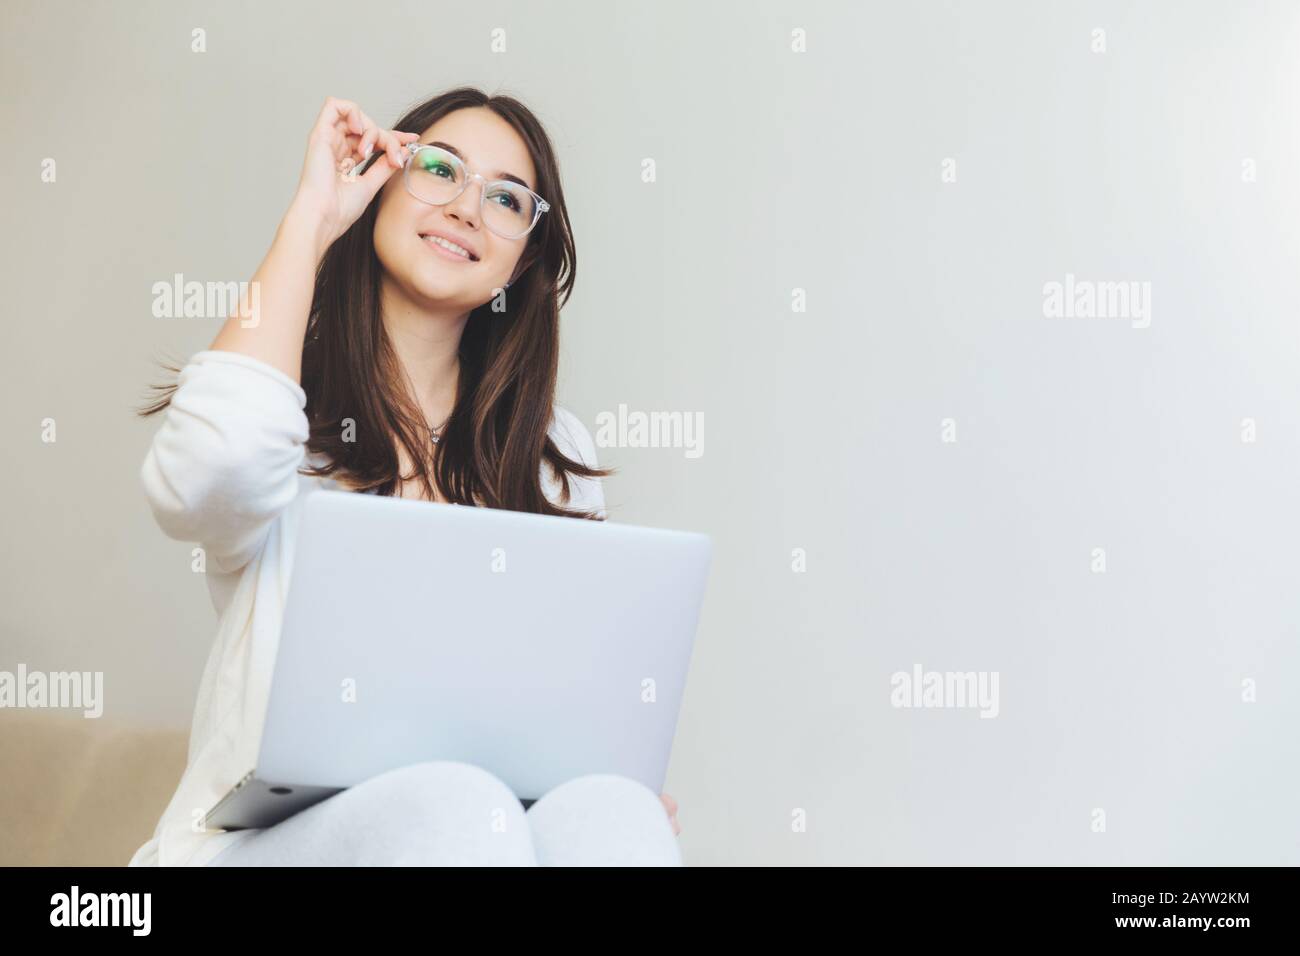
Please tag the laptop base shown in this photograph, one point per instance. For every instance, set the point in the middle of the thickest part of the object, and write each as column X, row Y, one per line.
column 257, row 804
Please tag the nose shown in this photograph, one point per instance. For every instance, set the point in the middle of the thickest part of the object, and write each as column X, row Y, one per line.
column 465, row 207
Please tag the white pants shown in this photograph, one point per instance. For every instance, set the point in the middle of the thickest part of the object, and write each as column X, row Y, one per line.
column 445, row 813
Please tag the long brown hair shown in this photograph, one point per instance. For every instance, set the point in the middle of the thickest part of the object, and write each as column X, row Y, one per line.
column 491, row 450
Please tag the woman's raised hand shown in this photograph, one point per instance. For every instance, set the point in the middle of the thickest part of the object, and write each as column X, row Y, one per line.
column 342, row 139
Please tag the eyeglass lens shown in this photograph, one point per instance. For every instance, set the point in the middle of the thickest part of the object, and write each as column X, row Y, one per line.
column 437, row 176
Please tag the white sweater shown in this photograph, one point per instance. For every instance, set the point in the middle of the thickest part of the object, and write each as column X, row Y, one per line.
column 223, row 471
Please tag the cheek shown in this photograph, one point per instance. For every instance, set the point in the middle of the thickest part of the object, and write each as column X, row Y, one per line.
column 499, row 259
column 505, row 255
column 389, row 244
column 402, row 254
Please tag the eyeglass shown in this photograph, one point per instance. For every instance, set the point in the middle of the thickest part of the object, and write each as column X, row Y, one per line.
column 436, row 176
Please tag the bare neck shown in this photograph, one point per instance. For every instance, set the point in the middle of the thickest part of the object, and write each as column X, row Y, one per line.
column 427, row 344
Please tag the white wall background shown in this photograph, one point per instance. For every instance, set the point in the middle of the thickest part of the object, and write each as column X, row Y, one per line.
column 777, row 170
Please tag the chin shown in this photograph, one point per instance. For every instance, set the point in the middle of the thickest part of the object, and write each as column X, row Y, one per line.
column 427, row 273
column 433, row 285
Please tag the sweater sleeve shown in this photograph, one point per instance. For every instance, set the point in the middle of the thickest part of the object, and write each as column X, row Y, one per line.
column 574, row 440
column 225, row 461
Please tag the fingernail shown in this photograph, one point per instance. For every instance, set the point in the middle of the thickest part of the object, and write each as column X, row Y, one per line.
column 369, row 149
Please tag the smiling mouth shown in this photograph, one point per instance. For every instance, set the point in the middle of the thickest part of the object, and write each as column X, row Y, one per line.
column 448, row 246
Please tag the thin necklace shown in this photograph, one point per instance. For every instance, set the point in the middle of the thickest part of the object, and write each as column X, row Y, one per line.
column 436, row 433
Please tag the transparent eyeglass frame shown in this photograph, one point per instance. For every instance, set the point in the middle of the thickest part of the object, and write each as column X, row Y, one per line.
column 540, row 205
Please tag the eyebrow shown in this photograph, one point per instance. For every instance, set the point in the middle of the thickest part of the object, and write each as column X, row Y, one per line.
column 500, row 173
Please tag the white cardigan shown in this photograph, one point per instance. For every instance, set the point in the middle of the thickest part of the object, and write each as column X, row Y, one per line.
column 222, row 471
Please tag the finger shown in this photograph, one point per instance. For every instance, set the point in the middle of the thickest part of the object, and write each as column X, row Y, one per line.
column 403, row 141
column 370, row 160
column 345, row 144
column 366, row 144
column 393, row 146
column 336, row 112
column 333, row 139
column 349, row 158
column 352, row 114
column 327, row 119
column 370, row 135
column 344, row 128
column 349, row 146
column 374, row 178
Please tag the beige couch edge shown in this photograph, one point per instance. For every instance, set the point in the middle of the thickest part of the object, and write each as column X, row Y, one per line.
column 77, row 791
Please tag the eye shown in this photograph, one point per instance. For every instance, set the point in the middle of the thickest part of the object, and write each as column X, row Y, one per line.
column 436, row 166
column 507, row 199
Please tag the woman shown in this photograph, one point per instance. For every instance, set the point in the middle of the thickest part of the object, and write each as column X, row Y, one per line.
column 378, row 350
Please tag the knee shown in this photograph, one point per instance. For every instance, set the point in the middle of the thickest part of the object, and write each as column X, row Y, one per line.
column 602, row 788
column 603, row 819
column 433, row 813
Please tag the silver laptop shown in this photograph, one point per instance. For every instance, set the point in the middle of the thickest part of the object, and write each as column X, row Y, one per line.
column 538, row 648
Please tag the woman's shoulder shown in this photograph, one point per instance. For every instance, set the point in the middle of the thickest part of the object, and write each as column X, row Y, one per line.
column 573, row 440
column 572, row 436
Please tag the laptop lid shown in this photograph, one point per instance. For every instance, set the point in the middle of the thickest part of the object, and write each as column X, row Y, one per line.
column 540, row 648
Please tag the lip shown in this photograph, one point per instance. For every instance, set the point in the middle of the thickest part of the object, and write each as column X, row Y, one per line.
column 450, row 237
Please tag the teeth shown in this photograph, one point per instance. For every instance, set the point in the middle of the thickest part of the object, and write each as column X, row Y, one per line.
column 439, row 241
